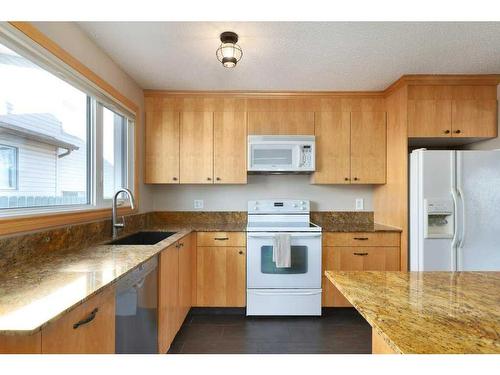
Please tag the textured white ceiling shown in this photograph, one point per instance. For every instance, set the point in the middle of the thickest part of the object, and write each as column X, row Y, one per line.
column 296, row 55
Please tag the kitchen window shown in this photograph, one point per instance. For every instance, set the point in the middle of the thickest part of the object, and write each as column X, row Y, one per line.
column 63, row 146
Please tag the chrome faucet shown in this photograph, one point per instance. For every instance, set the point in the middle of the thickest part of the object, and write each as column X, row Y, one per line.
column 116, row 224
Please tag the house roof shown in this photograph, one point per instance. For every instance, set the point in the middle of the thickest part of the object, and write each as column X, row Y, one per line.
column 24, row 125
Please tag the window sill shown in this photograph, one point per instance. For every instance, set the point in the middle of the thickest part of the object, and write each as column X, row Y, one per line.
column 26, row 223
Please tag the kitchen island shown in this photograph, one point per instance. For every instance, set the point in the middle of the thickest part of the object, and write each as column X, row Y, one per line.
column 426, row 312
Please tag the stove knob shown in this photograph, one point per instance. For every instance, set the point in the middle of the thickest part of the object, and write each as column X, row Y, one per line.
column 256, row 208
column 302, row 202
column 295, row 205
column 303, row 208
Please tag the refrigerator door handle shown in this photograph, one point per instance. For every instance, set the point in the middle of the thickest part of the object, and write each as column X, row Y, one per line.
column 462, row 209
column 454, row 241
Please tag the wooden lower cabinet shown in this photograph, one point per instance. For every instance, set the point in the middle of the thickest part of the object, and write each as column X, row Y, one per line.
column 356, row 258
column 186, row 255
column 21, row 344
column 87, row 329
column 168, row 297
column 379, row 346
column 174, row 289
column 221, row 276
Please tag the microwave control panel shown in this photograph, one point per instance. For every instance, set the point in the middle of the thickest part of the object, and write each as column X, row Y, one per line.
column 306, row 153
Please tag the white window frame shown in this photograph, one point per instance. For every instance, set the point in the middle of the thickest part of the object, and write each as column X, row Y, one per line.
column 21, row 44
column 16, row 162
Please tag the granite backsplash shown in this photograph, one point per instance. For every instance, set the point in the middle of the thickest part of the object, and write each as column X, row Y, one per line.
column 19, row 247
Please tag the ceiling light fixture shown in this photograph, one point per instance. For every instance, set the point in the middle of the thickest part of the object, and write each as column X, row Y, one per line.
column 229, row 53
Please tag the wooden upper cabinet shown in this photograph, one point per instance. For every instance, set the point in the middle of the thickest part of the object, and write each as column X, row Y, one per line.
column 281, row 123
column 196, row 150
column 368, row 147
column 429, row 118
column 162, row 147
column 88, row 329
column 474, row 118
column 230, row 147
column 333, row 148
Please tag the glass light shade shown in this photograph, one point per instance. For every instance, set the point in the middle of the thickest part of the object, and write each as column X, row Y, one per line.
column 229, row 54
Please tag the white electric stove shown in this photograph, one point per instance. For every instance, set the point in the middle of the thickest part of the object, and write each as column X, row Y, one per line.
column 295, row 290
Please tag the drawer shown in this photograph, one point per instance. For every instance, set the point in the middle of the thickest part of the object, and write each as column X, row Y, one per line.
column 87, row 329
column 361, row 239
column 221, row 239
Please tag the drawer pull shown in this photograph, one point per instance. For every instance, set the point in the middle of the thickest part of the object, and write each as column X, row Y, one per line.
column 86, row 320
column 361, row 254
column 221, row 238
column 361, row 238
column 240, row 252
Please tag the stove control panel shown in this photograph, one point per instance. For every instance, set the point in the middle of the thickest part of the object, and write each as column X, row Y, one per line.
column 288, row 206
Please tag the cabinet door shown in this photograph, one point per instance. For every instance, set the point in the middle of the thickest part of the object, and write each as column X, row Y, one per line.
column 379, row 258
column 168, row 297
column 429, row 118
column 185, row 277
column 87, row 329
column 338, row 259
column 333, row 148
column 236, row 286
column 230, row 147
column 368, row 147
column 196, row 165
column 162, row 148
column 221, row 277
column 474, row 118
column 281, row 123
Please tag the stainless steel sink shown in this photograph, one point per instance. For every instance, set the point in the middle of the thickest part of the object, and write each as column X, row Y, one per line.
column 142, row 238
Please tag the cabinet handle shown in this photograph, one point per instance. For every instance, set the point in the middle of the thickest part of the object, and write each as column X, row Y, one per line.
column 361, row 254
column 240, row 252
column 209, row 179
column 181, row 244
column 174, row 178
column 346, row 178
column 361, row 238
column 356, row 179
column 86, row 320
column 446, row 131
column 457, row 131
column 221, row 238
column 218, row 178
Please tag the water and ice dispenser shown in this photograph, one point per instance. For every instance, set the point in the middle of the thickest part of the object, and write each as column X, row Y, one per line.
column 438, row 218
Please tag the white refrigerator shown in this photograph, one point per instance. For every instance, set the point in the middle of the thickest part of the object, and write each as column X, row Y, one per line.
column 454, row 210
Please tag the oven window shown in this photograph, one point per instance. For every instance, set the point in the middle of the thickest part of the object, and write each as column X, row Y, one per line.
column 298, row 261
column 272, row 156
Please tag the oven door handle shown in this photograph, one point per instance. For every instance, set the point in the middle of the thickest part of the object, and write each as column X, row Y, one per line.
column 293, row 235
column 286, row 292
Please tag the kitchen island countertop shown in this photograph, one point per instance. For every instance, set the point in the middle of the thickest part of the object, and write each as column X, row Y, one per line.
column 427, row 312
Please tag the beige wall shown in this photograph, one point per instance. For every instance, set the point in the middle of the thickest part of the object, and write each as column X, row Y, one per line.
column 235, row 197
column 71, row 38
column 490, row 144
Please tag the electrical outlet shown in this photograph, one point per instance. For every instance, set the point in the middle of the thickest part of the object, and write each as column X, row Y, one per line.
column 198, row 204
column 359, row 203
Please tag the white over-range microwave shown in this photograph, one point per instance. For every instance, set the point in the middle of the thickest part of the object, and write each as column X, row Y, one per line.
column 281, row 153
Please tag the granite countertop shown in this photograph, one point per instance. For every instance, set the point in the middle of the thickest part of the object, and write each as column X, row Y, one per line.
column 427, row 312
column 356, row 227
column 34, row 293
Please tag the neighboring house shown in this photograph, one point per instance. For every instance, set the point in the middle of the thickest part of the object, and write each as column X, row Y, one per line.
column 40, row 164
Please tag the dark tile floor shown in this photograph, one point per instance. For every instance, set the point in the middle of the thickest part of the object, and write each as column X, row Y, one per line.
column 338, row 331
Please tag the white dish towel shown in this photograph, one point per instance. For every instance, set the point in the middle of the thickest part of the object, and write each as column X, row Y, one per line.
column 282, row 253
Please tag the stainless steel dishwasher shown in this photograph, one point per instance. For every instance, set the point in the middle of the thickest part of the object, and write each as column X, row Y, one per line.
column 136, row 317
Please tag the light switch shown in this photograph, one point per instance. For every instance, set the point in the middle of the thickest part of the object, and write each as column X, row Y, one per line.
column 198, row 204
column 360, row 204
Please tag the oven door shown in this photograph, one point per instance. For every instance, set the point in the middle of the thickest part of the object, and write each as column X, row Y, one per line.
column 305, row 270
